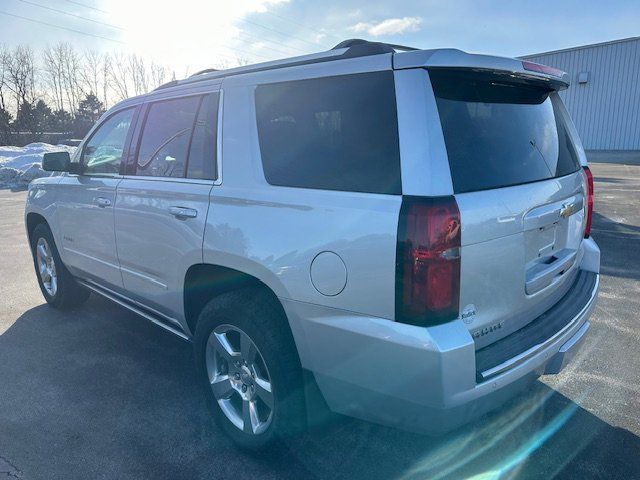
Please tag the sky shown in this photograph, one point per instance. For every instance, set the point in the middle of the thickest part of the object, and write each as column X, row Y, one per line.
column 189, row 35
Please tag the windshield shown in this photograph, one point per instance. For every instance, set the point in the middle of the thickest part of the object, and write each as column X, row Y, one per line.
column 498, row 133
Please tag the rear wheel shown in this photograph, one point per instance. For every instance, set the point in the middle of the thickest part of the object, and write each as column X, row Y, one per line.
column 58, row 286
column 250, row 368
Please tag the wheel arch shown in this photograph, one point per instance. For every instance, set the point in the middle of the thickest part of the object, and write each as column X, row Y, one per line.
column 34, row 219
column 204, row 281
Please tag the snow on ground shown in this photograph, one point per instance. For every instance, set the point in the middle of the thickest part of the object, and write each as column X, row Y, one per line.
column 20, row 165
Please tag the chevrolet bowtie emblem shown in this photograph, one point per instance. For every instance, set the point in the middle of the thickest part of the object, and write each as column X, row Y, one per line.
column 567, row 210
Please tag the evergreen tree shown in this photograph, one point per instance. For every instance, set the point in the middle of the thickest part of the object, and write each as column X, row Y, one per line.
column 41, row 118
column 61, row 121
column 89, row 111
column 33, row 119
column 5, row 127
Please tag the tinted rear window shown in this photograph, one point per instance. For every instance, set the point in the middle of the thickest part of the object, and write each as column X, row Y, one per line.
column 333, row 133
column 499, row 133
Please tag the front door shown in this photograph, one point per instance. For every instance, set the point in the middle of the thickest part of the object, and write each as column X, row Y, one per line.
column 86, row 202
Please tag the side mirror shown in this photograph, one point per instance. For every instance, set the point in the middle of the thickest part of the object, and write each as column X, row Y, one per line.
column 56, row 162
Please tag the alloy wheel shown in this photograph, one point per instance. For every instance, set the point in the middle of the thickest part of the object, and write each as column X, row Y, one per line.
column 239, row 379
column 46, row 267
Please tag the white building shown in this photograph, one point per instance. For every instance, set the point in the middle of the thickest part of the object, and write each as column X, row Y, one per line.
column 604, row 96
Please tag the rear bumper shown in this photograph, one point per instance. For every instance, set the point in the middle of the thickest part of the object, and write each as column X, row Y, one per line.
column 419, row 379
column 564, row 316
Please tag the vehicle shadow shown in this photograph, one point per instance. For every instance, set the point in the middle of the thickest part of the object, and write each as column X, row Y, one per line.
column 602, row 179
column 99, row 392
column 619, row 245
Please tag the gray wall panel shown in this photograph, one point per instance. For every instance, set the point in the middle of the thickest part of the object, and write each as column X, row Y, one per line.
column 606, row 110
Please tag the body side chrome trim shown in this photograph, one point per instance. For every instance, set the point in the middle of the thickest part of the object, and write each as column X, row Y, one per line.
column 526, row 355
column 196, row 181
column 90, row 257
column 145, row 277
column 142, row 310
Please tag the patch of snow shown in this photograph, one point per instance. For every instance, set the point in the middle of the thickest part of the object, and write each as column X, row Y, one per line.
column 20, row 165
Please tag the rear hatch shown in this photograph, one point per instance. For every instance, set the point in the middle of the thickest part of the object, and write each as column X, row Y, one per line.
column 521, row 193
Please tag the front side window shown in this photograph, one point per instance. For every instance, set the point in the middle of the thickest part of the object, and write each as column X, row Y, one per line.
column 164, row 144
column 102, row 153
column 333, row 133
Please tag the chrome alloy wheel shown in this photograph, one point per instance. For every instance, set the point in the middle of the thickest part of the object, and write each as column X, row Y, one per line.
column 46, row 267
column 239, row 379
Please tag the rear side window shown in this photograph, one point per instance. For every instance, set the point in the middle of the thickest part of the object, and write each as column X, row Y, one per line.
column 202, row 153
column 500, row 133
column 333, row 133
column 164, row 144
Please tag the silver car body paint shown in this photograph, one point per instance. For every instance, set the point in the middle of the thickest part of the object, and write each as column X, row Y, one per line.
column 365, row 363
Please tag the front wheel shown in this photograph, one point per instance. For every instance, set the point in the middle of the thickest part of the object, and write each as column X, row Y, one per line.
column 250, row 368
column 58, row 286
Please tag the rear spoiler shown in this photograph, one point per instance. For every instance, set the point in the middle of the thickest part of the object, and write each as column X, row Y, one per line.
column 453, row 58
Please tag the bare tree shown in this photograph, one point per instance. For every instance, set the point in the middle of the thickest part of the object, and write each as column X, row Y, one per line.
column 139, row 76
column 226, row 63
column 133, row 75
column 21, row 74
column 90, row 73
column 65, row 75
column 118, row 74
column 242, row 61
column 71, row 79
column 106, row 79
column 62, row 76
column 53, row 75
column 158, row 75
column 5, row 59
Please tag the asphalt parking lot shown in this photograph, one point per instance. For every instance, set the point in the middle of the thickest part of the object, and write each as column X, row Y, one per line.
column 101, row 393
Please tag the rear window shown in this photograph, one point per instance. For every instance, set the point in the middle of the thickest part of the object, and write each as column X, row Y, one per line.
column 500, row 133
column 333, row 133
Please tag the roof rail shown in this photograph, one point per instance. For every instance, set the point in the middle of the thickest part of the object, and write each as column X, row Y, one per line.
column 354, row 47
column 387, row 47
column 166, row 85
column 206, row 70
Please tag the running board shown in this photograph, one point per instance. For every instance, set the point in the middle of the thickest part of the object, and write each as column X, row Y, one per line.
column 155, row 318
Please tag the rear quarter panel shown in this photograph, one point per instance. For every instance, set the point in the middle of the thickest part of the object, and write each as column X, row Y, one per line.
column 274, row 233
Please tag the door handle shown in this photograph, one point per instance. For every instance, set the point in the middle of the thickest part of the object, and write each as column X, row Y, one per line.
column 183, row 212
column 103, row 202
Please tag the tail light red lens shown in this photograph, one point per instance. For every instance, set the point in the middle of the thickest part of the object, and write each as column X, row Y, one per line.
column 536, row 67
column 428, row 261
column 588, row 178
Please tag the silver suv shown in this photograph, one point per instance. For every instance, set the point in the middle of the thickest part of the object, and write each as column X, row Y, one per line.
column 402, row 234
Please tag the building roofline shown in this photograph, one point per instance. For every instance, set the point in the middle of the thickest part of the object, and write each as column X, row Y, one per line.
column 581, row 47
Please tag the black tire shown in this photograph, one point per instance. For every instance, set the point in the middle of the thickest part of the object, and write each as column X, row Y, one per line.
column 258, row 314
column 68, row 293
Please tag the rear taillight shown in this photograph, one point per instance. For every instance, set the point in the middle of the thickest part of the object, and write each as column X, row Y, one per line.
column 428, row 261
column 588, row 178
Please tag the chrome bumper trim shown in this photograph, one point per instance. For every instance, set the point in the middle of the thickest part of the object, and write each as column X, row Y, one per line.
column 526, row 355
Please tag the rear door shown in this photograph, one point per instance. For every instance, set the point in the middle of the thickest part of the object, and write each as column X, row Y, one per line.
column 161, row 207
column 521, row 194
